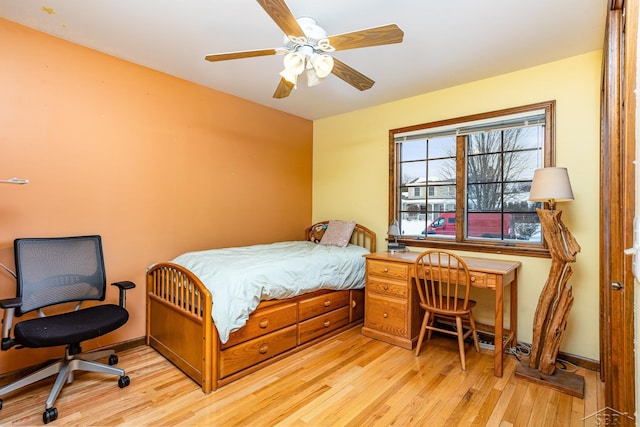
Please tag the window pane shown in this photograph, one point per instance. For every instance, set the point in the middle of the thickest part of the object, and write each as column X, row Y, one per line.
column 411, row 172
column 442, row 147
column 413, row 150
column 484, row 197
column 531, row 138
column 443, row 225
column 442, row 170
column 485, row 143
column 484, row 168
column 413, row 225
column 519, row 165
column 490, row 225
column 516, row 197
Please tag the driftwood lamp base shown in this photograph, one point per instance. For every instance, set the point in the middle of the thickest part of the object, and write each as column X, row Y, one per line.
column 563, row 381
column 552, row 311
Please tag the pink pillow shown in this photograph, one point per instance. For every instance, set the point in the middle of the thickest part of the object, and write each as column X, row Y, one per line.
column 338, row 233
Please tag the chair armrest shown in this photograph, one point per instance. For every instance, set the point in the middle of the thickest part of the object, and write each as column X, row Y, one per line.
column 10, row 303
column 124, row 285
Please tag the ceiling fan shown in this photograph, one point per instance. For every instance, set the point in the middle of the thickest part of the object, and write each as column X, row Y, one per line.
column 307, row 47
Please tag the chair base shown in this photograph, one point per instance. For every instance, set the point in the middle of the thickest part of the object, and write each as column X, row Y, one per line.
column 65, row 369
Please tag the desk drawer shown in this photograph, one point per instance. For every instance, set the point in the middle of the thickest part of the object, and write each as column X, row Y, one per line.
column 262, row 322
column 478, row 279
column 391, row 270
column 388, row 315
column 483, row 280
column 323, row 324
column 315, row 306
column 387, row 287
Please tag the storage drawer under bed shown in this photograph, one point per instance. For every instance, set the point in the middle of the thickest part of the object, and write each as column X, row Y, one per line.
column 249, row 353
column 324, row 303
column 262, row 322
column 323, row 324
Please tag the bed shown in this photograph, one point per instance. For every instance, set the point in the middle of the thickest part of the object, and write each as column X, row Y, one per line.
column 267, row 325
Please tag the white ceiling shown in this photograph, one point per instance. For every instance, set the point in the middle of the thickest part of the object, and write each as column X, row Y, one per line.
column 446, row 42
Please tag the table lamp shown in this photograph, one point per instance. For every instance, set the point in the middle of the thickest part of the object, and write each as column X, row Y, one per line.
column 394, row 230
column 551, row 185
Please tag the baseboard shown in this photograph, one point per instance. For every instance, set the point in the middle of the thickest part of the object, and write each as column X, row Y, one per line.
column 9, row 377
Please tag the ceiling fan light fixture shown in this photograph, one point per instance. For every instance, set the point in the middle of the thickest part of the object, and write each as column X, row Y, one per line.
column 322, row 64
column 294, row 63
column 312, row 78
column 289, row 76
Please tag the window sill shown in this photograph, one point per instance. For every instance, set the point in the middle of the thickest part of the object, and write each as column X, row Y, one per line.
column 523, row 250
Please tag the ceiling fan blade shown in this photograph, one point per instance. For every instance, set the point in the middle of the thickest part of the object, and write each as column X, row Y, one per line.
column 239, row 55
column 284, row 89
column 351, row 76
column 387, row 34
column 282, row 16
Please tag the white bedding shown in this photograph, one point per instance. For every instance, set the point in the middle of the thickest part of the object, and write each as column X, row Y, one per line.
column 239, row 278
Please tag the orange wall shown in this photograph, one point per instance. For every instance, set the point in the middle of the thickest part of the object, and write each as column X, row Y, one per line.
column 154, row 164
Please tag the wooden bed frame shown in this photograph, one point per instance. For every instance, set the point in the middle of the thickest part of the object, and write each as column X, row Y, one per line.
column 180, row 326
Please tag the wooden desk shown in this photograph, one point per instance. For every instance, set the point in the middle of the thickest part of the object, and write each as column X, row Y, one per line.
column 392, row 313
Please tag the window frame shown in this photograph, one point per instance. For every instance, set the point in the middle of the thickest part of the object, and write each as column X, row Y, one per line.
column 459, row 243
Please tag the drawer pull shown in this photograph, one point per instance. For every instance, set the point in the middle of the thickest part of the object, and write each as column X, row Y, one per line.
column 327, row 303
column 326, row 323
column 473, row 278
column 353, row 303
column 264, row 323
column 263, row 348
column 385, row 287
column 386, row 270
column 385, row 315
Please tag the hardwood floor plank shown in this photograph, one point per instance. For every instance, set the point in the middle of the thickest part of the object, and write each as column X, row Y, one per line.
column 350, row 380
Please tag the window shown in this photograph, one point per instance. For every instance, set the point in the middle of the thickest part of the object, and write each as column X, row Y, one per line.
column 470, row 177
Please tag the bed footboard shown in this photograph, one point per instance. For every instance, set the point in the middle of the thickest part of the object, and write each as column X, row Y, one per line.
column 179, row 322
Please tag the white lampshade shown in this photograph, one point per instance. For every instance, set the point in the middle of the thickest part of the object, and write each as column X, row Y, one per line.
column 394, row 230
column 312, row 78
column 293, row 66
column 551, row 185
column 323, row 64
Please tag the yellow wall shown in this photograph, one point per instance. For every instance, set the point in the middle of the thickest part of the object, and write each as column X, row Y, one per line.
column 350, row 171
column 154, row 164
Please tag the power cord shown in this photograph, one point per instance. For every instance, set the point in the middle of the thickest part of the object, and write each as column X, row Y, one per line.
column 520, row 350
column 524, row 350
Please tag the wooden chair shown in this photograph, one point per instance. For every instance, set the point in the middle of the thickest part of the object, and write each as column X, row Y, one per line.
column 443, row 282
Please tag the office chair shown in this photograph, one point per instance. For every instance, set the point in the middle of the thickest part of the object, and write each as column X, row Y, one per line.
column 443, row 283
column 49, row 272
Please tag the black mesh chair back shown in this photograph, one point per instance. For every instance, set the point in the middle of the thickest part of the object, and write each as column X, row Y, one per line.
column 51, row 271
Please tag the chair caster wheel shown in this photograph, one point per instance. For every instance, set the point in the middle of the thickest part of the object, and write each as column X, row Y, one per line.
column 124, row 381
column 49, row 415
column 113, row 359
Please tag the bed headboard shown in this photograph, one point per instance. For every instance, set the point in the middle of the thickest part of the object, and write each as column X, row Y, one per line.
column 361, row 236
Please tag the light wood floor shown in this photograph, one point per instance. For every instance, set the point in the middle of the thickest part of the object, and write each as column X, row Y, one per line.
column 350, row 380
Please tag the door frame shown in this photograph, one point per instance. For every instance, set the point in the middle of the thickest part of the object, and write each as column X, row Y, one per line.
column 617, row 208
